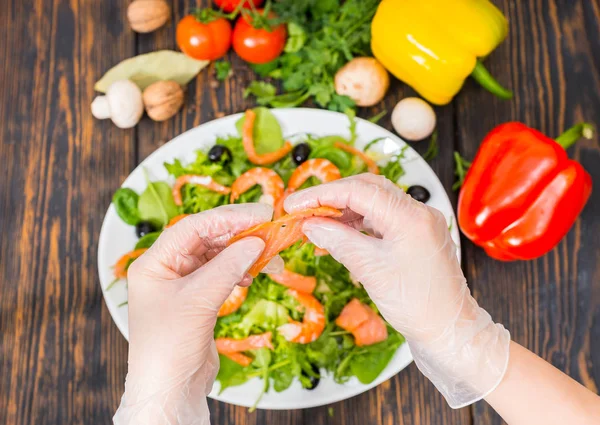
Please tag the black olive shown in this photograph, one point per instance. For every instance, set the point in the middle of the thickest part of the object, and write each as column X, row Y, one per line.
column 143, row 228
column 219, row 153
column 314, row 381
column 300, row 153
column 419, row 193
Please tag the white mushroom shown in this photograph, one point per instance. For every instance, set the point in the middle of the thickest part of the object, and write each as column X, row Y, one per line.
column 122, row 104
column 413, row 119
column 364, row 80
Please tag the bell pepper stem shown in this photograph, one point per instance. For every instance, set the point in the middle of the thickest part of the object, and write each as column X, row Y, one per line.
column 575, row 133
column 485, row 79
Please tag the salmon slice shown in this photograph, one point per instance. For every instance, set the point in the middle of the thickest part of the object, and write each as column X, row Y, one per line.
column 371, row 165
column 295, row 281
column 353, row 315
column 281, row 234
column 371, row 332
column 367, row 326
column 239, row 358
column 253, row 342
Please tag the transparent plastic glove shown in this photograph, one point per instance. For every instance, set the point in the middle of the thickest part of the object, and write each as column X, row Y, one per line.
column 410, row 270
column 175, row 290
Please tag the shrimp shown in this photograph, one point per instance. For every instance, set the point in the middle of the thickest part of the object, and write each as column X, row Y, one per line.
column 320, row 168
column 176, row 220
column 312, row 324
column 301, row 283
column 367, row 326
column 281, row 234
column 248, row 142
column 205, row 181
column 125, row 261
column 232, row 348
column 234, row 301
column 269, row 180
column 371, row 165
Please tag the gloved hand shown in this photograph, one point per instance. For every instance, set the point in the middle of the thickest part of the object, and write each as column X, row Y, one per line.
column 175, row 290
column 410, row 270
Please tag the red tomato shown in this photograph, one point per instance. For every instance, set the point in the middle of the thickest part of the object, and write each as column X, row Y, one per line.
column 202, row 41
column 258, row 45
column 229, row 6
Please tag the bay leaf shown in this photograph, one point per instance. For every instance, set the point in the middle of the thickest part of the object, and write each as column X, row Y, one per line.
column 148, row 68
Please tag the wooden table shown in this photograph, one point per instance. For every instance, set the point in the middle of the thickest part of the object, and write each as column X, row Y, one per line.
column 63, row 361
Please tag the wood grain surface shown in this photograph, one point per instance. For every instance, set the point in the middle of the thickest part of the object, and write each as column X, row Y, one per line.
column 63, row 361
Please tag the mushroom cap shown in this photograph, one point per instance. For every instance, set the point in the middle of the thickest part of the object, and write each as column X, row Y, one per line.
column 364, row 80
column 125, row 103
column 413, row 119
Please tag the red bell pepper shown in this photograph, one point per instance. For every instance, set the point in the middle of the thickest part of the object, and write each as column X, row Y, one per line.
column 522, row 193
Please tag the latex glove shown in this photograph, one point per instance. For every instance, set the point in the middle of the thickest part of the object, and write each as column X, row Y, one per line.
column 410, row 270
column 175, row 290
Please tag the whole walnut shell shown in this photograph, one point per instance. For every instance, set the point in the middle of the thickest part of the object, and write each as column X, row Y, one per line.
column 162, row 99
column 148, row 15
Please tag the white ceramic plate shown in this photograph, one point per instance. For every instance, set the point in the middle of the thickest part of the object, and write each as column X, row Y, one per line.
column 116, row 237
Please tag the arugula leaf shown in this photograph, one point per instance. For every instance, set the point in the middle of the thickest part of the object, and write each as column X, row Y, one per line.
column 262, row 360
column 267, row 131
column 156, row 204
column 230, row 373
column 223, row 70
column 370, row 361
column 461, row 166
column 433, row 149
column 376, row 118
column 147, row 240
column 125, row 201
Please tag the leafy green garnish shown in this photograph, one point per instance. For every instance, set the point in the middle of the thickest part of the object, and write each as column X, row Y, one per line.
column 375, row 118
column 267, row 133
column 126, row 204
column 230, row 373
column 266, row 315
column 461, row 166
column 222, row 70
column 433, row 149
column 370, row 361
column 334, row 32
column 147, row 240
column 296, row 38
column 156, row 204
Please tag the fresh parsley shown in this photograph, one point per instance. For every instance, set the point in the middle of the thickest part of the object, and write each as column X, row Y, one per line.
column 324, row 35
column 223, row 70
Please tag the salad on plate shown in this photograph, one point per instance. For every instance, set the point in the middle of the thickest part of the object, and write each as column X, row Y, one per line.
column 310, row 319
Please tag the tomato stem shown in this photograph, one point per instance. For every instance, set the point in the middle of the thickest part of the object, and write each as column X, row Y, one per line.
column 573, row 134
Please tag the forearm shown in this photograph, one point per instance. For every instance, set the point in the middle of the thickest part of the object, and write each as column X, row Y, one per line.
column 535, row 392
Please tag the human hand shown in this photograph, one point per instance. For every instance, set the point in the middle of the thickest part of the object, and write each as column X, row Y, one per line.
column 175, row 291
column 408, row 265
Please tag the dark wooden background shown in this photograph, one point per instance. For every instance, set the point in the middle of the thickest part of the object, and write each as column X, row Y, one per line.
column 63, row 361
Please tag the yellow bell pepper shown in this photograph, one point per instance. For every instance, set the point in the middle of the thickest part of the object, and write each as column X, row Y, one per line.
column 434, row 45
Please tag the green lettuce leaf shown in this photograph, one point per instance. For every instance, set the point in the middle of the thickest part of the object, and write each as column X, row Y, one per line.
column 267, row 131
